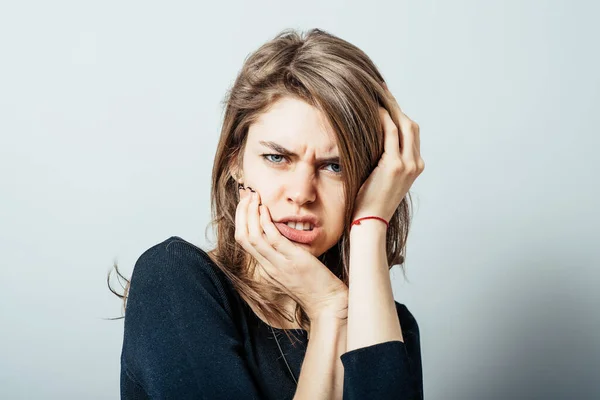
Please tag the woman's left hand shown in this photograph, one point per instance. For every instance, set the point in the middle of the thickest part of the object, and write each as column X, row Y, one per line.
column 399, row 166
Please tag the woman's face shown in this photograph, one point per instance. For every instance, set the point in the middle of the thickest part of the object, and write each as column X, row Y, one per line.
column 291, row 159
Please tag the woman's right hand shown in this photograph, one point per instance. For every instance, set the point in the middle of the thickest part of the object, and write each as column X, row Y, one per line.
column 300, row 274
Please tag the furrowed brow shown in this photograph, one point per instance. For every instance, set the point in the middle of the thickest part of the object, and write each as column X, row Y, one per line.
column 283, row 151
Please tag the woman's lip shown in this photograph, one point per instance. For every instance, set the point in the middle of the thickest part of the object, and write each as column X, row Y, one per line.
column 297, row 235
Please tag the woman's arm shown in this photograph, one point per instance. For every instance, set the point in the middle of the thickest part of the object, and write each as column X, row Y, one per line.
column 383, row 360
column 322, row 374
column 372, row 319
column 380, row 363
column 372, row 315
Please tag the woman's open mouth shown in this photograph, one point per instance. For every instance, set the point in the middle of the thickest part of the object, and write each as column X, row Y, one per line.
column 298, row 232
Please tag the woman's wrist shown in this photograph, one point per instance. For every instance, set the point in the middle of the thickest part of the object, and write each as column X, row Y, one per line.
column 327, row 323
column 368, row 228
column 359, row 220
column 337, row 313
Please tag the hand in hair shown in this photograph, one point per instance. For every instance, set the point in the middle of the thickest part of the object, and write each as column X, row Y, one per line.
column 292, row 268
column 398, row 167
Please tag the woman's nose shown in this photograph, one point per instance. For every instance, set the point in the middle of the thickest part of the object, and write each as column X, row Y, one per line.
column 301, row 188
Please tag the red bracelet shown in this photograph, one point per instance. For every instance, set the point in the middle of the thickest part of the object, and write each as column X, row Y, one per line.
column 357, row 221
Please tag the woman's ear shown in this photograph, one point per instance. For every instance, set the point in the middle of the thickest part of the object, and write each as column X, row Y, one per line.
column 237, row 175
column 235, row 169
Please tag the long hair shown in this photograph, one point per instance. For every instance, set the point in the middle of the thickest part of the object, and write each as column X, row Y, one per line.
column 342, row 82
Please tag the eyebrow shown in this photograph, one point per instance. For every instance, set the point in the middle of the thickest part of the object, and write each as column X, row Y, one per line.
column 285, row 152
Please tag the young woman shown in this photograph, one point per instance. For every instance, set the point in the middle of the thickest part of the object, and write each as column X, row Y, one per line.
column 311, row 207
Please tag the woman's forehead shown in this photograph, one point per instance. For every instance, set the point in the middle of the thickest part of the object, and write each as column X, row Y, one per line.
column 294, row 124
column 294, row 144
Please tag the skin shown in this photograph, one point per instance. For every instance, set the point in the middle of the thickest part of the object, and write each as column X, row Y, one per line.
column 300, row 185
column 353, row 317
column 307, row 183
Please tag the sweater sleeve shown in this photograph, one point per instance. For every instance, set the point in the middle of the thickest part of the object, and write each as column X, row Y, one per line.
column 180, row 341
column 388, row 370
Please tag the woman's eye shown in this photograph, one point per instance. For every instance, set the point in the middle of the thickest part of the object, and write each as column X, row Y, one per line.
column 337, row 169
column 277, row 160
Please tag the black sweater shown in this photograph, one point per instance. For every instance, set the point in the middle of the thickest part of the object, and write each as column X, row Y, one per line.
column 189, row 335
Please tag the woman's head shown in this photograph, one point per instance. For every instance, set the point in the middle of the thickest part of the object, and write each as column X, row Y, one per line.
column 317, row 96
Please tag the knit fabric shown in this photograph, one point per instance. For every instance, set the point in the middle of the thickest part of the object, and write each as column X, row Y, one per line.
column 189, row 335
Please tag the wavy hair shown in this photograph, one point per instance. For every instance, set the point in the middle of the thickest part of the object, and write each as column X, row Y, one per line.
column 342, row 82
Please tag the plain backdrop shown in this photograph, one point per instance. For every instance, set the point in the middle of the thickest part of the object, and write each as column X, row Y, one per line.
column 109, row 118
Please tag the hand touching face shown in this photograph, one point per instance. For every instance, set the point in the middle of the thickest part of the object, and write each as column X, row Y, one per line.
column 286, row 264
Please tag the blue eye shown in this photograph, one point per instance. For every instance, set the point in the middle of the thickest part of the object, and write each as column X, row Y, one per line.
column 274, row 155
column 339, row 167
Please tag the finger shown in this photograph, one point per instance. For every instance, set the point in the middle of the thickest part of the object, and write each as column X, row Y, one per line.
column 242, row 223
column 242, row 237
column 406, row 125
column 417, row 130
column 281, row 248
column 257, row 245
column 254, row 228
column 392, row 141
column 241, row 226
column 257, row 238
column 273, row 245
column 410, row 129
column 407, row 133
column 275, row 239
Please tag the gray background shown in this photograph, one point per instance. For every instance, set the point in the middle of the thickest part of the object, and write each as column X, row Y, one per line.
column 109, row 118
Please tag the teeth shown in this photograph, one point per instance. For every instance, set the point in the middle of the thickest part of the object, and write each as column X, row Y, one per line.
column 306, row 226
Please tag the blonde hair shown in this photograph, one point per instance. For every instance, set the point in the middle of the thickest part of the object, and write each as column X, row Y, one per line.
column 342, row 82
